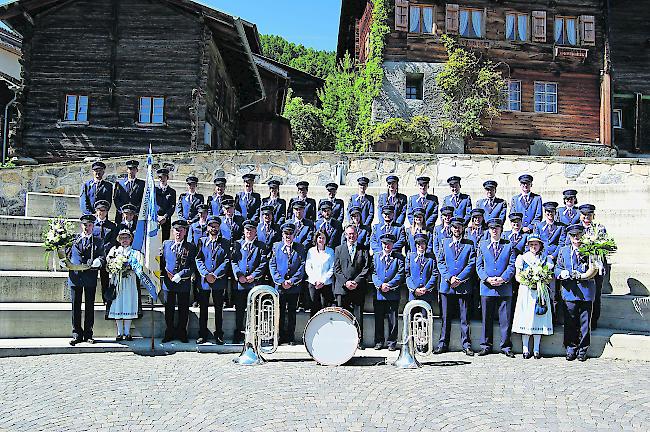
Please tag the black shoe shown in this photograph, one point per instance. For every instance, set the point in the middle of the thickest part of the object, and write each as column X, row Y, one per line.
column 90, row 340
column 392, row 346
column 128, row 338
column 440, row 349
column 201, row 340
column 468, row 352
column 537, row 356
column 361, row 347
column 195, row 304
column 582, row 357
column 508, row 353
column 483, row 352
column 218, row 340
column 238, row 339
column 570, row 356
column 167, row 339
column 379, row 345
column 118, row 338
column 291, row 343
column 526, row 355
column 183, row 339
column 74, row 342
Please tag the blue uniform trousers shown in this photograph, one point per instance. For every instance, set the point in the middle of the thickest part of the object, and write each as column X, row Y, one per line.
column 288, row 305
column 577, row 333
column 504, row 305
column 204, row 304
column 87, row 294
column 447, row 301
column 180, row 329
column 240, row 297
column 385, row 308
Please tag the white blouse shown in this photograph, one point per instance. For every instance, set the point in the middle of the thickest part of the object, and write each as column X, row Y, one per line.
column 320, row 266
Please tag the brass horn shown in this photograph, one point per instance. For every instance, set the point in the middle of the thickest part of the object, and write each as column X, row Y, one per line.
column 417, row 334
column 262, row 325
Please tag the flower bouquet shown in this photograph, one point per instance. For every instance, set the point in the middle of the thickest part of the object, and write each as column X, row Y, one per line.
column 59, row 235
column 538, row 277
column 118, row 265
column 596, row 247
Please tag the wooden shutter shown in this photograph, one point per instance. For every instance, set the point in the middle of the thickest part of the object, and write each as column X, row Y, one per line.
column 401, row 15
column 452, row 18
column 538, row 30
column 588, row 30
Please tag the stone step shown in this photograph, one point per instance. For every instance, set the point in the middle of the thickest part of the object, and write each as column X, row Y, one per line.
column 25, row 256
column 36, row 287
column 632, row 278
column 22, row 229
column 53, row 321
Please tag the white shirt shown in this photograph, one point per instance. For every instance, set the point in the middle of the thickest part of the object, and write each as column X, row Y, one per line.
column 320, row 266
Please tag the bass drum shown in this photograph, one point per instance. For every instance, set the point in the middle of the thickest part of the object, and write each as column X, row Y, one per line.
column 332, row 336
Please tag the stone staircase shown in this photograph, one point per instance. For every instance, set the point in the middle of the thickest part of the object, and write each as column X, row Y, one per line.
column 34, row 301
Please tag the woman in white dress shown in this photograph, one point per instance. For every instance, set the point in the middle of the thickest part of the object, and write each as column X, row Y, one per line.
column 526, row 320
column 319, row 268
column 125, row 306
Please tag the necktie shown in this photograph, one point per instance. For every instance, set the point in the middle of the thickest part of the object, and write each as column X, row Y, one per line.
column 421, row 201
column 576, row 258
column 129, row 186
column 491, row 203
column 298, row 226
column 420, row 259
column 176, row 248
column 446, row 231
column 527, row 199
column 457, row 247
column 456, row 200
column 101, row 229
column 352, row 251
column 247, row 197
column 494, row 248
column 287, row 250
column 514, row 237
column 327, row 227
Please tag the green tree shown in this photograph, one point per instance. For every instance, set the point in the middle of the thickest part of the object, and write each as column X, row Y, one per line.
column 316, row 62
column 307, row 129
column 418, row 131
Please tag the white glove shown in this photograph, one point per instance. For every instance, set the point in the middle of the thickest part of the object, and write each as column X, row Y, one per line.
column 63, row 265
column 97, row 263
column 176, row 278
column 576, row 275
column 564, row 274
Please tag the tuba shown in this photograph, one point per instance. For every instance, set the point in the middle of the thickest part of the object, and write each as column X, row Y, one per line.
column 262, row 325
column 417, row 334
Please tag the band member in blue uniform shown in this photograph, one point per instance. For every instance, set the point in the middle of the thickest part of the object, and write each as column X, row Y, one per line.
column 279, row 204
column 495, row 208
column 248, row 202
column 426, row 201
column 129, row 216
column 364, row 201
column 219, row 194
column 128, row 190
column 107, row 233
column 462, row 203
column 387, row 277
column 87, row 249
column 95, row 190
column 166, row 202
column 213, row 266
column 576, row 274
column 387, row 227
column 188, row 204
column 418, row 226
column 569, row 214
column 443, row 230
column 476, row 228
column 177, row 262
column 594, row 229
column 338, row 205
column 268, row 232
column 199, row 228
column 550, row 231
column 395, row 198
column 456, row 262
column 232, row 227
column 303, row 234
column 310, row 203
column 422, row 271
column 287, row 266
column 516, row 236
column 363, row 232
column 327, row 223
column 528, row 203
column 495, row 265
column 352, row 268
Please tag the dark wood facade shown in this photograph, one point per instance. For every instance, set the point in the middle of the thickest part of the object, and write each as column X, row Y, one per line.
column 576, row 68
column 116, row 51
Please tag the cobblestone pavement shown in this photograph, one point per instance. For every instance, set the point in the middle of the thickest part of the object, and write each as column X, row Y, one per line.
column 193, row 391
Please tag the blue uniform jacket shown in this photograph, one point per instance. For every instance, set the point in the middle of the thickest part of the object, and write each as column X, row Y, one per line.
column 248, row 209
column 430, row 206
column 288, row 267
column 268, row 236
column 181, row 262
column 310, row 208
column 334, row 231
column 107, row 232
column 391, row 273
column 232, row 229
column 532, row 213
column 498, row 209
column 568, row 216
column 462, row 207
column 214, row 202
column 92, row 192
column 490, row 265
column 122, row 197
column 166, row 201
column 337, row 209
column 400, row 202
column 245, row 263
column 421, row 274
column 213, row 256
column 85, row 252
column 304, row 233
column 381, row 229
column 574, row 290
column 196, row 231
column 519, row 240
column 439, row 234
column 410, row 240
column 188, row 207
column 476, row 235
column 279, row 209
column 367, row 205
column 460, row 265
column 553, row 236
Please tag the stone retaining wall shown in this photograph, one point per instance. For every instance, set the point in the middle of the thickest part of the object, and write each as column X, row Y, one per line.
column 322, row 167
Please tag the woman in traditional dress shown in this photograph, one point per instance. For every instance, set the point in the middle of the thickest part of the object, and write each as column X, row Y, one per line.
column 125, row 306
column 527, row 319
column 319, row 268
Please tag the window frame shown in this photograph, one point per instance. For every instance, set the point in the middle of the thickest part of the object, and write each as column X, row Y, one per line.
column 507, row 107
column 564, row 19
column 77, row 111
column 151, row 114
column 421, row 9
column 528, row 36
column 462, row 9
column 557, row 100
column 419, row 87
column 617, row 113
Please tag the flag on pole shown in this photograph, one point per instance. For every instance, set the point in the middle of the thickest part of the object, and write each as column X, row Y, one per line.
column 146, row 238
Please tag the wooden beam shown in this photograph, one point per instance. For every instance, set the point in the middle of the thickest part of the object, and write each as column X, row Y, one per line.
column 606, row 110
column 638, row 123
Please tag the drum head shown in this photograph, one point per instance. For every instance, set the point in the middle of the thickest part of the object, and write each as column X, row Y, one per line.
column 331, row 338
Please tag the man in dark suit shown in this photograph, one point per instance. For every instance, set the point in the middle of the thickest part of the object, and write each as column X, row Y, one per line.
column 247, row 202
column 89, row 250
column 338, row 212
column 188, row 204
column 95, row 190
column 310, row 203
column 128, row 190
column 351, row 271
column 166, row 201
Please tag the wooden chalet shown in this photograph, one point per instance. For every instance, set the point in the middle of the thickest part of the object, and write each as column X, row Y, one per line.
column 552, row 53
column 111, row 77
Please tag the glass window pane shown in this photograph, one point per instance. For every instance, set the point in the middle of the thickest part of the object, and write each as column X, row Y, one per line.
column 414, row 20
column 71, row 108
column 157, row 118
column 83, row 109
column 145, row 110
column 571, row 31
column 427, row 20
column 477, row 23
column 510, row 27
column 522, row 26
